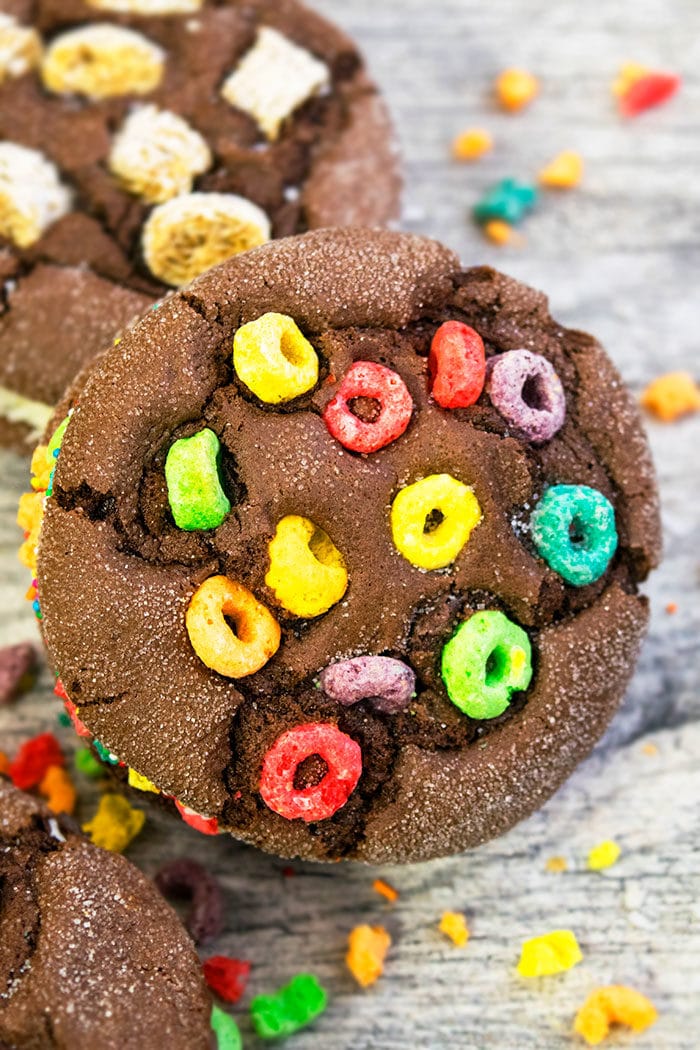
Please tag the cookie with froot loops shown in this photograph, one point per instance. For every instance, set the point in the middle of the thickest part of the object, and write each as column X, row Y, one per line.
column 332, row 650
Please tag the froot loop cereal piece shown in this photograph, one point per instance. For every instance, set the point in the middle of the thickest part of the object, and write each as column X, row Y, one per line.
column 376, row 383
column 454, row 925
column 184, row 877
column 80, row 727
column 226, row 977
column 20, row 48
column 604, row 855
column 614, row 1004
column 457, row 365
column 102, row 61
column 646, row 91
column 367, row 948
column 273, row 79
column 508, row 201
column 156, row 155
column 34, row 759
column 4, row 763
column 195, row 494
column 342, row 756
column 195, row 231
column 293, row 1007
column 563, row 172
column 257, row 635
column 516, row 88
column 227, row 1032
column 148, row 7
column 528, row 393
column 307, row 572
column 486, row 660
column 203, row 824
column 32, row 196
column 87, row 764
column 58, row 789
column 388, row 682
column 472, row 144
column 671, row 396
column 30, row 514
column 141, row 783
column 549, row 954
column 115, row 823
column 102, row 750
column 274, row 359
column 573, row 529
column 432, row 519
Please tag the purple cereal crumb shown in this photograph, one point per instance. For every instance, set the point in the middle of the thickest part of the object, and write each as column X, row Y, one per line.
column 18, row 665
column 187, row 878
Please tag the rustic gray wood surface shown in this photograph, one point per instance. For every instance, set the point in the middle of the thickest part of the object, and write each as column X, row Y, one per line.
column 621, row 257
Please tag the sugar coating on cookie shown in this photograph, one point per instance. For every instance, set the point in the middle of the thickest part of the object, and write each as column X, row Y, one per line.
column 191, row 233
column 156, row 155
column 147, row 7
column 102, row 61
column 273, row 79
column 32, row 196
column 20, row 48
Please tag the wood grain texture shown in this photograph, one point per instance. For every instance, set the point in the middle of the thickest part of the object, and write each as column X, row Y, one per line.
column 620, row 257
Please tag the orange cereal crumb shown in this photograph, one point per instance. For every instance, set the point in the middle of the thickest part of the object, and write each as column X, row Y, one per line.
column 671, row 608
column 367, row 948
column 454, row 925
column 629, row 74
column 556, row 864
column 58, row 790
column 472, row 144
column 671, row 396
column 385, row 890
column 516, row 88
column 500, row 232
column 613, row 1005
column 650, row 749
column 4, row 763
column 564, row 172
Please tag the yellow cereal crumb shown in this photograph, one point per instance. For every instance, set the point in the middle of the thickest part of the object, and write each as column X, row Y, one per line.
column 650, row 749
column 613, row 1005
column 454, row 925
column 556, row 864
column 629, row 74
column 551, row 953
column 367, row 948
column 58, row 790
column 500, row 232
column 604, row 855
column 472, row 144
column 385, row 890
column 115, row 824
column 516, row 88
column 671, row 396
column 564, row 172
column 141, row 783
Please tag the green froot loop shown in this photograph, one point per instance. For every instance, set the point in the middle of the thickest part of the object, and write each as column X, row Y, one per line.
column 487, row 659
column 197, row 499
column 573, row 529
column 228, row 1036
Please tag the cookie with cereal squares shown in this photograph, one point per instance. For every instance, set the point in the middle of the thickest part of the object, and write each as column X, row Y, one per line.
column 142, row 141
column 344, row 546
column 90, row 953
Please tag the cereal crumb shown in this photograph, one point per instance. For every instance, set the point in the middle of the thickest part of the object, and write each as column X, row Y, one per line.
column 604, row 855
column 671, row 396
column 472, row 144
column 115, row 824
column 564, row 172
column 454, row 925
column 549, row 954
column 556, row 864
column 367, row 948
column 385, row 890
column 516, row 88
column 613, row 1005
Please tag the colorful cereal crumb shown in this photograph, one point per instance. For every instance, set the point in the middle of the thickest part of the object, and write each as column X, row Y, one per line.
column 228, row 1036
column 508, row 201
column 34, row 759
column 564, row 172
column 58, row 789
column 184, row 877
column 628, row 74
column 454, row 925
column 551, row 953
column 87, row 764
column 233, row 654
column 614, row 1004
column 516, row 88
column 115, row 823
column 199, row 821
column 4, row 764
column 386, row 683
column 671, row 608
column 556, row 864
column 294, row 1006
column 650, row 750
column 367, row 948
column 102, row 750
column 17, row 670
column 226, row 977
column 472, row 144
column 141, row 783
column 457, row 365
column 386, row 890
column 604, row 855
column 671, row 396
column 499, row 232
column 638, row 89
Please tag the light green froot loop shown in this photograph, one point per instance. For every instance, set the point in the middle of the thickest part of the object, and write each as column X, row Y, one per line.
column 487, row 659
column 197, row 499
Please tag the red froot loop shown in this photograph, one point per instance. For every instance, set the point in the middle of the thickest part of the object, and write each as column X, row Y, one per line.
column 457, row 364
column 365, row 379
column 205, row 825
column 342, row 756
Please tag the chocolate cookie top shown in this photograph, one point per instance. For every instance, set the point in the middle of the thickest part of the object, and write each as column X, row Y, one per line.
column 344, row 546
column 90, row 953
column 149, row 139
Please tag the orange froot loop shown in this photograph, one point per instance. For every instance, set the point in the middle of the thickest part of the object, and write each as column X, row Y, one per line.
column 232, row 653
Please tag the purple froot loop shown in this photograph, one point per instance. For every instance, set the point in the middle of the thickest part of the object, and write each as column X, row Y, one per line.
column 387, row 682
column 528, row 393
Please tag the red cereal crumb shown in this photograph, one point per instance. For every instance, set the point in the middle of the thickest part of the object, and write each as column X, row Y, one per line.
column 648, row 90
column 34, row 759
column 384, row 889
column 227, row 977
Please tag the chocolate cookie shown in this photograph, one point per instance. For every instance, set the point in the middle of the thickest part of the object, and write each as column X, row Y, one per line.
column 343, row 548
column 90, row 953
column 142, row 141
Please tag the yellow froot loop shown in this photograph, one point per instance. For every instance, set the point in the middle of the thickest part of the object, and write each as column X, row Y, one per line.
column 274, row 359
column 233, row 654
column 307, row 572
column 432, row 519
